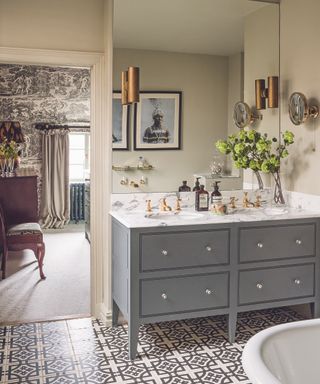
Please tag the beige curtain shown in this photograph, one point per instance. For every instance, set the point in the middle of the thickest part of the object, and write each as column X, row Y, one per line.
column 55, row 204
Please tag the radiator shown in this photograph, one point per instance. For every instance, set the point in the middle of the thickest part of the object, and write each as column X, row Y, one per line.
column 77, row 201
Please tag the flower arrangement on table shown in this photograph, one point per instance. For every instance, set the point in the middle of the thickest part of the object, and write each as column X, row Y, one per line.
column 9, row 155
column 254, row 150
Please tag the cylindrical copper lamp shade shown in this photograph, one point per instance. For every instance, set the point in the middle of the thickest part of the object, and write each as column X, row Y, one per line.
column 133, row 85
column 124, row 87
column 260, row 86
column 273, row 92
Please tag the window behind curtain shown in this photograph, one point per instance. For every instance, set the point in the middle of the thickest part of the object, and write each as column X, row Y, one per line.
column 79, row 156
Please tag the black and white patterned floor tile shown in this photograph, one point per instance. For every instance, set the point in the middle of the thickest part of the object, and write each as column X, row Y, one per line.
column 84, row 351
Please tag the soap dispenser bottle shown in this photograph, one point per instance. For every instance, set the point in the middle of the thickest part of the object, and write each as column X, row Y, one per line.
column 216, row 196
column 202, row 199
column 197, row 185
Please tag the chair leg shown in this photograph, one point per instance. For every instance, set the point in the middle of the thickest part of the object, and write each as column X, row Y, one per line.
column 41, row 249
column 4, row 262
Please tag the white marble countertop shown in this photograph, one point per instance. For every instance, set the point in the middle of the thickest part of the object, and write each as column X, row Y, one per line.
column 139, row 218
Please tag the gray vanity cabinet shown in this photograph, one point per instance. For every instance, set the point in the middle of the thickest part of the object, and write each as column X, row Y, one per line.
column 177, row 272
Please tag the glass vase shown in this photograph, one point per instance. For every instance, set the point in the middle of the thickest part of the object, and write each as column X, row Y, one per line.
column 278, row 193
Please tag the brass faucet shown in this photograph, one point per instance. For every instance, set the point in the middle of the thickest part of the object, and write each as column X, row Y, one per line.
column 177, row 207
column 246, row 203
column 149, row 208
column 163, row 206
column 232, row 203
column 257, row 203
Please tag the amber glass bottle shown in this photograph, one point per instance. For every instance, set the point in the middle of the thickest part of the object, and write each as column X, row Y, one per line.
column 202, row 199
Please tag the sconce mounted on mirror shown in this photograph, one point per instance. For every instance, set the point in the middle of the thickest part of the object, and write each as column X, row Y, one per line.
column 130, row 86
column 270, row 93
column 299, row 110
column 243, row 115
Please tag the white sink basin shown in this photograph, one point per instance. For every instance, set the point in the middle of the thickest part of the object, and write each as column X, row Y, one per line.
column 171, row 216
column 275, row 211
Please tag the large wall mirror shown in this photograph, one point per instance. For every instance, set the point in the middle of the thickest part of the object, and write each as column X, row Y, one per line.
column 196, row 62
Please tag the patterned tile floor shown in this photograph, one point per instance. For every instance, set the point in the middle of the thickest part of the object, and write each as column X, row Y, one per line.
column 84, row 351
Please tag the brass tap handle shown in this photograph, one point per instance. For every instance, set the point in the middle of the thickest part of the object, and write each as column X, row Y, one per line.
column 257, row 203
column 164, row 206
column 232, row 202
column 149, row 208
column 178, row 207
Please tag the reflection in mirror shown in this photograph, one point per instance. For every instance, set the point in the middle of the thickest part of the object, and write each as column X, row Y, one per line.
column 243, row 116
column 212, row 66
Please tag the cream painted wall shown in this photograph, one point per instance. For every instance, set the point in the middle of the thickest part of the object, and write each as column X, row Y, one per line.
column 300, row 54
column 75, row 25
column 203, row 80
column 235, row 87
column 261, row 59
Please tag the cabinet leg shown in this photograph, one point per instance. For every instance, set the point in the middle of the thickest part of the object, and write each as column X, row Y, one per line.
column 315, row 310
column 133, row 334
column 115, row 313
column 232, row 326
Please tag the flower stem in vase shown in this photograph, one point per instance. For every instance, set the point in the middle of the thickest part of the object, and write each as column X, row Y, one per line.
column 278, row 193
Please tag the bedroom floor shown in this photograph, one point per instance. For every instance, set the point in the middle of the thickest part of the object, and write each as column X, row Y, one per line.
column 65, row 293
column 84, row 351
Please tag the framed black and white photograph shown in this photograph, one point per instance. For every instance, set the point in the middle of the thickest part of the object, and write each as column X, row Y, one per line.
column 157, row 121
column 120, row 123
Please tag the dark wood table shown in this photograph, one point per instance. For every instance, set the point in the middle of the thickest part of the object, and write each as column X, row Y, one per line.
column 19, row 198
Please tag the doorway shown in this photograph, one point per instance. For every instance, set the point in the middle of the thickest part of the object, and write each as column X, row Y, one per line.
column 100, row 172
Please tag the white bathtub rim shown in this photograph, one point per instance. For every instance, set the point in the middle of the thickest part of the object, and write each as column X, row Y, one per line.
column 252, row 361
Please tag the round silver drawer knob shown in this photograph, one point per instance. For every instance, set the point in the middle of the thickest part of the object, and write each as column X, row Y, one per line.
column 260, row 245
column 208, row 292
column 298, row 242
column 259, row 286
column 297, row 281
column 164, row 296
column 164, row 252
column 208, row 248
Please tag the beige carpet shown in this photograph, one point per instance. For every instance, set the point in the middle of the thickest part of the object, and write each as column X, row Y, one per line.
column 65, row 292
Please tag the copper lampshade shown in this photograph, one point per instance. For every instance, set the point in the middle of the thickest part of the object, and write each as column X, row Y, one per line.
column 11, row 130
column 130, row 86
column 270, row 93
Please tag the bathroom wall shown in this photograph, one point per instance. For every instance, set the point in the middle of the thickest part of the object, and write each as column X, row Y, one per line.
column 75, row 25
column 203, row 80
column 261, row 59
column 235, row 87
column 300, row 54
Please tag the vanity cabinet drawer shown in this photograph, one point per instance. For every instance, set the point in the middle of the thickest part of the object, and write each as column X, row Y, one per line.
column 186, row 249
column 269, row 284
column 281, row 242
column 184, row 294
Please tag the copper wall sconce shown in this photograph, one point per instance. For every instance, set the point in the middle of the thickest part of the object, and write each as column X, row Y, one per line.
column 130, row 86
column 270, row 93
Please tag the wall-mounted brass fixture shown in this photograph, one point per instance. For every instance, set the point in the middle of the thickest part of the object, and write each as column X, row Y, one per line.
column 299, row 110
column 243, row 116
column 270, row 93
column 130, row 86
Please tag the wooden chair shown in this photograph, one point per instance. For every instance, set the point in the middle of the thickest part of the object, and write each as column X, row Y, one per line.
column 19, row 237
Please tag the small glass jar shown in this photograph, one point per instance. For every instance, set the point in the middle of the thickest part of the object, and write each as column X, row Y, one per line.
column 217, row 164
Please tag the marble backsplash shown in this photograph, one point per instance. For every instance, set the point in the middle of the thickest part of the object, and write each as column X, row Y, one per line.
column 137, row 201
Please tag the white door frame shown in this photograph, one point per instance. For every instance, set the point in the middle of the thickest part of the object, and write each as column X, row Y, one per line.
column 100, row 158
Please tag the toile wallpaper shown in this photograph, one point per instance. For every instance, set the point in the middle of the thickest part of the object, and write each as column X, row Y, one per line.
column 40, row 94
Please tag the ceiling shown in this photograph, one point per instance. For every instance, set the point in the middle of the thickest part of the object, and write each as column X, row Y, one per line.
column 191, row 26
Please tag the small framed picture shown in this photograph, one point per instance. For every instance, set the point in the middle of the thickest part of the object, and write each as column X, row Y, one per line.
column 120, row 123
column 157, row 121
